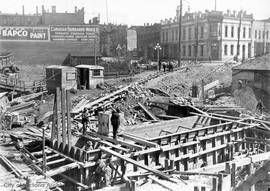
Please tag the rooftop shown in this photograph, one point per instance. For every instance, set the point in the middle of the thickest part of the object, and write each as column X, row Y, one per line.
column 93, row 67
column 259, row 63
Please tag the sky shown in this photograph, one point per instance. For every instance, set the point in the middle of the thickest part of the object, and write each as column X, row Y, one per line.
column 136, row 12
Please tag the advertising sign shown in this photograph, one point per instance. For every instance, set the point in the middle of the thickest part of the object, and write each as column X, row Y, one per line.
column 74, row 33
column 24, row 33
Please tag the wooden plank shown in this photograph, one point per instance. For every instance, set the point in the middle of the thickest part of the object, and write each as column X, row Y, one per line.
column 123, row 143
column 156, row 172
column 63, row 111
column 68, row 102
column 58, row 95
column 152, row 116
column 139, row 140
column 62, row 169
column 55, row 161
column 161, row 183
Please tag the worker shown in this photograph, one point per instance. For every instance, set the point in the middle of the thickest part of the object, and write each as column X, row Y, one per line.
column 84, row 120
column 115, row 121
column 259, row 107
column 164, row 66
column 103, row 171
column 159, row 65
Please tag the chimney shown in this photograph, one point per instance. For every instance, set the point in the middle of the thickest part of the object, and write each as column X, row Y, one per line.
column 76, row 10
column 23, row 9
column 42, row 9
column 36, row 10
column 54, row 9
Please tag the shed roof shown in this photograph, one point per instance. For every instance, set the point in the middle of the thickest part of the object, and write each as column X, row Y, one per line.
column 259, row 63
column 59, row 67
column 91, row 67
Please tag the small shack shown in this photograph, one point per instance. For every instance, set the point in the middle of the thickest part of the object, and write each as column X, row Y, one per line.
column 61, row 76
column 89, row 76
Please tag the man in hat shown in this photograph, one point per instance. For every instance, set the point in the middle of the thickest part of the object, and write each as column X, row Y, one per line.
column 84, row 120
column 115, row 121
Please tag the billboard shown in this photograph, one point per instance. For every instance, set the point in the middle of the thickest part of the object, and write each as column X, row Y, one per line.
column 74, row 33
column 24, row 33
column 131, row 40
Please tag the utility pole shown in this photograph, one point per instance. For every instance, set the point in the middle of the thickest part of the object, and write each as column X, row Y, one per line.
column 238, row 36
column 180, row 34
column 107, row 11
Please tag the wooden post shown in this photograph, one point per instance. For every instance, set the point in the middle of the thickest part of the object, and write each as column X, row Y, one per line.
column 58, row 94
column 54, row 123
column 63, row 111
column 233, row 174
column 68, row 103
column 43, row 150
column 251, row 171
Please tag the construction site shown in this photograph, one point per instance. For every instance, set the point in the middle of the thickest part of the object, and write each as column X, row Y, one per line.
column 185, row 129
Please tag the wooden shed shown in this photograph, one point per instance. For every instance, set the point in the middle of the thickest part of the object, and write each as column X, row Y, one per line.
column 61, row 76
column 89, row 76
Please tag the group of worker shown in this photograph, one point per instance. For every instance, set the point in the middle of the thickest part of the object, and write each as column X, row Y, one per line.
column 115, row 121
column 166, row 66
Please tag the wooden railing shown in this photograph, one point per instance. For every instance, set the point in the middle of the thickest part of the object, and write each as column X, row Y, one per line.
column 11, row 83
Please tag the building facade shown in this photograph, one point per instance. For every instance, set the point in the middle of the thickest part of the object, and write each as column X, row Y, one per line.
column 113, row 40
column 147, row 38
column 208, row 36
column 261, row 37
column 45, row 18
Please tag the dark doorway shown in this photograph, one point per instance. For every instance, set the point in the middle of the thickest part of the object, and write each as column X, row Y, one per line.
column 84, row 78
column 243, row 52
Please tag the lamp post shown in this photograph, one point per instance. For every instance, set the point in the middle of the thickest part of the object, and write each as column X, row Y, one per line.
column 157, row 48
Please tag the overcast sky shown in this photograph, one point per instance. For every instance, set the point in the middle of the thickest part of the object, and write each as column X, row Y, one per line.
column 136, row 12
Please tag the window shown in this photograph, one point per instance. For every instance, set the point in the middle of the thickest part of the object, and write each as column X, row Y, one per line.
column 71, row 76
column 201, row 47
column 202, row 31
column 166, row 36
column 255, row 33
column 244, row 32
column 226, row 31
column 184, row 34
column 226, row 50
column 232, row 32
column 249, row 33
column 189, row 33
column 172, row 35
column 96, row 72
column 163, row 36
column 232, row 50
column 176, row 35
column 189, row 50
column 260, row 34
column 184, row 50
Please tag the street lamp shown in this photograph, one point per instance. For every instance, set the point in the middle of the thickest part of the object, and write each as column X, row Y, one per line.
column 157, row 48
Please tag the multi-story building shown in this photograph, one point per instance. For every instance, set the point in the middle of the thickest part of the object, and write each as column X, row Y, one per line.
column 261, row 38
column 113, row 40
column 208, row 36
column 44, row 19
column 147, row 38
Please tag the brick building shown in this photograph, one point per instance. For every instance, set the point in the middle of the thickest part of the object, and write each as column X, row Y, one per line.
column 147, row 38
column 207, row 36
column 44, row 18
column 113, row 40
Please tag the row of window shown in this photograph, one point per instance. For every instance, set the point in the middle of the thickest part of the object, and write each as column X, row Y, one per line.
column 232, row 35
column 261, row 34
column 233, row 51
column 187, row 50
column 186, row 34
